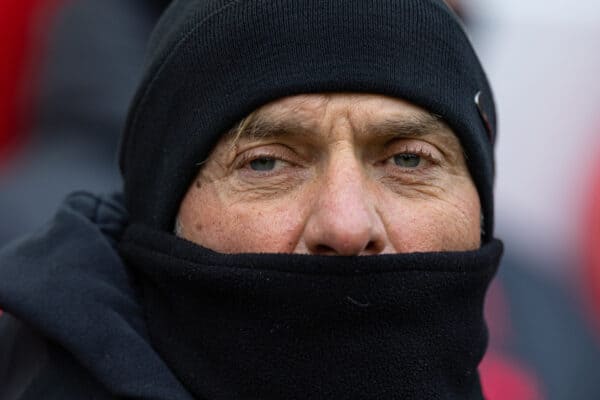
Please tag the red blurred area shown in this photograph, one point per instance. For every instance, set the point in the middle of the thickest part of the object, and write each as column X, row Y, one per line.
column 21, row 22
column 591, row 246
column 503, row 378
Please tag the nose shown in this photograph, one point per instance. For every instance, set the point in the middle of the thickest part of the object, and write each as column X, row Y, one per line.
column 343, row 218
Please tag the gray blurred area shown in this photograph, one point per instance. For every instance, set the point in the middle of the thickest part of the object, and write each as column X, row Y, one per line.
column 92, row 60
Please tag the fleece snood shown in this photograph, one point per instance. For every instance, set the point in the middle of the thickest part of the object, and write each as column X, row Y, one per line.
column 212, row 62
column 274, row 326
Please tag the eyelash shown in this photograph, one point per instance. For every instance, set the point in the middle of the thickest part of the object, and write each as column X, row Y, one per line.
column 417, row 150
column 246, row 158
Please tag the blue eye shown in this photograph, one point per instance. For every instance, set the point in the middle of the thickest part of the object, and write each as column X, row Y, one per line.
column 263, row 164
column 407, row 160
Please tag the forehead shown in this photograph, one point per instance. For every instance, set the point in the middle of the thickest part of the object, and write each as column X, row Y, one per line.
column 356, row 107
column 366, row 115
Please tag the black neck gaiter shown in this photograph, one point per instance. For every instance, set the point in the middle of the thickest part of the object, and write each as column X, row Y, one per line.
column 274, row 326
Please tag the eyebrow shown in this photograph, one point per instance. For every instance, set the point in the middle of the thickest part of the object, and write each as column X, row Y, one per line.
column 414, row 126
column 258, row 127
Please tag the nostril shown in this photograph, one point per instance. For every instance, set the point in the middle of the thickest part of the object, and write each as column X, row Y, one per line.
column 372, row 248
column 324, row 250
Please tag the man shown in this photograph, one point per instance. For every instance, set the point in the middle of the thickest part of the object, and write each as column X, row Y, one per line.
column 307, row 214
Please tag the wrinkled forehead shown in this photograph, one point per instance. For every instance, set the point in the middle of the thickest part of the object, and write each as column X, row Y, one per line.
column 368, row 116
column 358, row 107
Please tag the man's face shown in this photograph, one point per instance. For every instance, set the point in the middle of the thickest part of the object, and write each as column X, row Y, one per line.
column 334, row 174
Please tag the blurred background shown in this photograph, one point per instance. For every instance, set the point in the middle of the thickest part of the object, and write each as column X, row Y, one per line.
column 69, row 68
column 542, row 58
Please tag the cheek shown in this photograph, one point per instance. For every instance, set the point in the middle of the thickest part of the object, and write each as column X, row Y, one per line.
column 447, row 223
column 240, row 227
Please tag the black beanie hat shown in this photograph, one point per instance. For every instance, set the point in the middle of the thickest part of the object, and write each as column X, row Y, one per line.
column 212, row 62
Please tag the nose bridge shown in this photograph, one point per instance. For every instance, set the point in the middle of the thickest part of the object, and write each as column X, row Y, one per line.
column 343, row 219
column 344, row 187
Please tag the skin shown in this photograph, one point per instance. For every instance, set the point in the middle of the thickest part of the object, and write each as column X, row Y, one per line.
column 335, row 174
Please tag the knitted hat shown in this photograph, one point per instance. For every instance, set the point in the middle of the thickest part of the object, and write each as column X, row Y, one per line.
column 212, row 62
